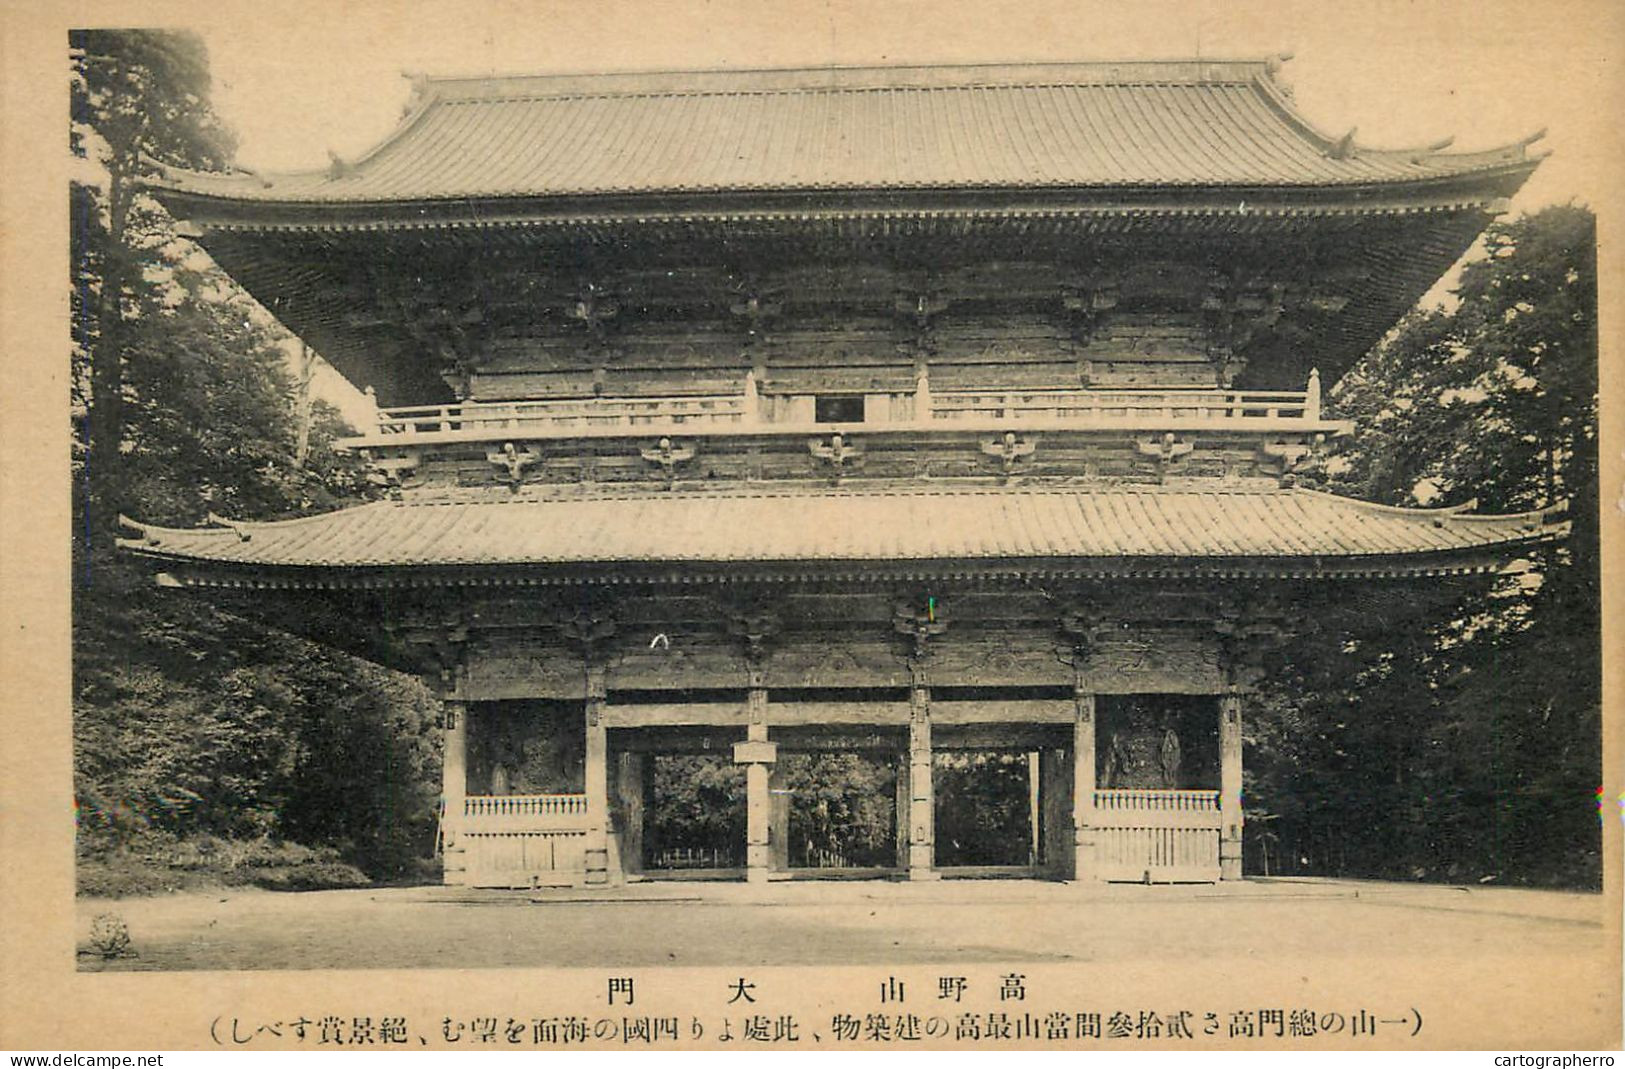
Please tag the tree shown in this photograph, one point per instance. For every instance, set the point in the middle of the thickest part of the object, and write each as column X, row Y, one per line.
column 191, row 722
column 137, row 96
column 1464, row 741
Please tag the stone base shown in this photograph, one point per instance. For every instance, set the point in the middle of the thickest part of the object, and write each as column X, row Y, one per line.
column 1083, row 858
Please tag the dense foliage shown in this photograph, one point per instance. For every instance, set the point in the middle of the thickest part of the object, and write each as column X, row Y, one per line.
column 1460, row 740
column 194, row 729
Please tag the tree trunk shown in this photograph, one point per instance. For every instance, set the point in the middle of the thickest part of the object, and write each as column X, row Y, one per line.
column 104, row 416
column 307, row 369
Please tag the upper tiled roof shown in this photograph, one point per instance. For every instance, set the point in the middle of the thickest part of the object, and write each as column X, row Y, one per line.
column 1316, row 531
column 1198, row 124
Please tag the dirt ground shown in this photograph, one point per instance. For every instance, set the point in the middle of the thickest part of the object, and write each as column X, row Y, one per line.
column 835, row 924
column 1486, row 966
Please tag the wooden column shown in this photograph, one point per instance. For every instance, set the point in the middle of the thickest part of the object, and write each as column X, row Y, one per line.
column 597, row 779
column 921, row 801
column 757, row 754
column 630, row 787
column 1083, row 786
column 1055, row 796
column 453, row 790
column 778, row 829
column 904, row 803
column 754, row 622
column 1230, row 785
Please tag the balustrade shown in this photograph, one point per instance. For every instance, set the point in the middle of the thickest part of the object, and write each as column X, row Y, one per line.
column 740, row 413
column 1155, row 800
column 1157, row 835
column 510, row 811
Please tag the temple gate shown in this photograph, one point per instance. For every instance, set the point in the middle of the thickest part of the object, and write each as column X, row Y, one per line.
column 900, row 495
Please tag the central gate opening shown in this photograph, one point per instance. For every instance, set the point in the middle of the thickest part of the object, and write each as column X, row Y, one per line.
column 837, row 790
column 842, row 810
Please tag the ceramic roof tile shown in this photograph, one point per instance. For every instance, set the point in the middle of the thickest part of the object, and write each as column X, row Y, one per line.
column 1131, row 125
column 1006, row 524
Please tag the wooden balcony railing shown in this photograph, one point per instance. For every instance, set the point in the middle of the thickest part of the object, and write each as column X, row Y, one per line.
column 494, row 418
column 1106, row 406
column 1158, row 408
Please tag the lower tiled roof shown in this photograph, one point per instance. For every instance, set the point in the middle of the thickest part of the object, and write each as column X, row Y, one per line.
column 965, row 525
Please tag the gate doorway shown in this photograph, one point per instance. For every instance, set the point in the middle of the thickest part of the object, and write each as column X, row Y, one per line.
column 1002, row 800
column 840, row 812
column 987, row 810
column 678, row 804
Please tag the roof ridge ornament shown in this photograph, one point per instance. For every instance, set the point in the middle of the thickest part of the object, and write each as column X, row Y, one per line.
column 337, row 167
column 217, row 520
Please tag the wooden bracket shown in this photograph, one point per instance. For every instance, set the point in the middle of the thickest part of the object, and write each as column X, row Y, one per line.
column 586, row 627
column 755, row 625
column 1009, row 450
column 1295, row 459
column 919, row 620
column 394, row 467
column 755, row 306
column 1164, row 451
column 837, row 452
column 668, row 456
column 513, row 461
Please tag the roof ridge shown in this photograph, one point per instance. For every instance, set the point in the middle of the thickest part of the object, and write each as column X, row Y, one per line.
column 479, row 497
column 723, row 80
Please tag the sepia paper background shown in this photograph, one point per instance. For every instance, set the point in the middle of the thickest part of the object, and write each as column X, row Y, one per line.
column 1489, row 71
